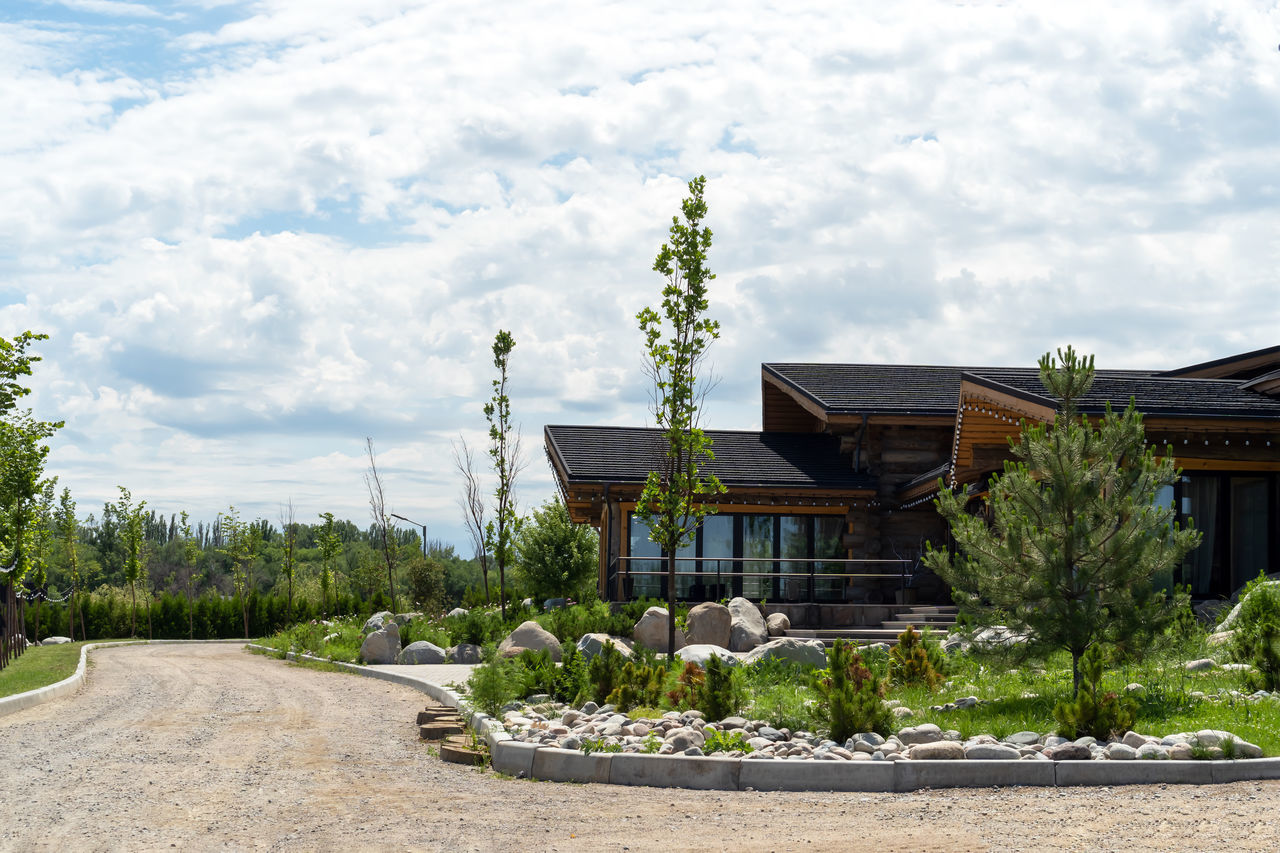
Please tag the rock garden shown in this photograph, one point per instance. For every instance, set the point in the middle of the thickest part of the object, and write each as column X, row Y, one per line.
column 588, row 678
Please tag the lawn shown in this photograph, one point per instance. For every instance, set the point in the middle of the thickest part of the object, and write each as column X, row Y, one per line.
column 39, row 666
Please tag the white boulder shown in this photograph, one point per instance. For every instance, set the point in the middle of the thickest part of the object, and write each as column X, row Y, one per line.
column 531, row 635
column 747, row 629
column 421, row 652
column 383, row 645
column 702, row 652
column 651, row 630
column 807, row 652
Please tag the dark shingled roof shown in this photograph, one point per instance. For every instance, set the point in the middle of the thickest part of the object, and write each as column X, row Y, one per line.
column 930, row 390
column 606, row 454
column 1151, row 393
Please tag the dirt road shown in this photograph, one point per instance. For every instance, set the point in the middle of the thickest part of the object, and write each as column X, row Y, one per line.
column 211, row 748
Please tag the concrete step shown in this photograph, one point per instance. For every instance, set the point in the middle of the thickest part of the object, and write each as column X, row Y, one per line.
column 925, row 618
column 934, row 608
column 901, row 625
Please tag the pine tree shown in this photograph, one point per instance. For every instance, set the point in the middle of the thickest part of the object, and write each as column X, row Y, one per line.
column 1075, row 536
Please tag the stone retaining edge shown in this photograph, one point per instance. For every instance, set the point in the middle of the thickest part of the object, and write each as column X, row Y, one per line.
column 553, row 764
column 21, row 701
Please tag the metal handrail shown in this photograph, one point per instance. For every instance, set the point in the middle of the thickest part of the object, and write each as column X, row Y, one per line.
column 902, row 573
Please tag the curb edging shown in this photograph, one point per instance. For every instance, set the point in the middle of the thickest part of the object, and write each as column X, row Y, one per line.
column 21, row 701
column 553, row 764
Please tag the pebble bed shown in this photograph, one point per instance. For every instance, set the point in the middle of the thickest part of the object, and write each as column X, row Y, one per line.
column 603, row 729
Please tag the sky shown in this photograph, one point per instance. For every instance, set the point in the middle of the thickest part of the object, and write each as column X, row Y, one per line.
column 259, row 231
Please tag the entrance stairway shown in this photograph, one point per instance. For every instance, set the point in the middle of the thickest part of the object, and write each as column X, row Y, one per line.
column 938, row 618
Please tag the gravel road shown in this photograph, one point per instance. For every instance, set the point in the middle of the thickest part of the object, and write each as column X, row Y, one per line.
column 211, row 748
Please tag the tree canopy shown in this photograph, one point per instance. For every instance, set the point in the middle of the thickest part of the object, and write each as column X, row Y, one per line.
column 1073, row 539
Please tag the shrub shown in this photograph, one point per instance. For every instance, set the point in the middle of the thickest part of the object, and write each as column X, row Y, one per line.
column 604, row 673
column 852, row 695
column 426, row 583
column 492, row 684
column 568, row 624
column 913, row 662
column 1257, row 633
column 718, row 741
column 641, row 684
column 1093, row 712
column 720, row 695
column 557, row 558
column 535, row 673
column 684, row 695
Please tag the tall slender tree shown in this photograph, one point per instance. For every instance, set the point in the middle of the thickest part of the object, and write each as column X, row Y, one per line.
column 473, row 508
column 504, row 453
column 239, row 544
column 69, row 532
column 1076, row 536
column 330, row 547
column 677, row 491
column 289, row 530
column 135, row 549
column 383, row 530
column 191, row 556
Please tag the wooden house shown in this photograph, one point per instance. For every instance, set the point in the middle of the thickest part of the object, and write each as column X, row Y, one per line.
column 829, row 506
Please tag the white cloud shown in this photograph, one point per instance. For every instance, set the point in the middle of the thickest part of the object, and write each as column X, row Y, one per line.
column 257, row 241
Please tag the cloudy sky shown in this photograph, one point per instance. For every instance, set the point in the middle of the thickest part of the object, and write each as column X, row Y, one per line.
column 258, row 231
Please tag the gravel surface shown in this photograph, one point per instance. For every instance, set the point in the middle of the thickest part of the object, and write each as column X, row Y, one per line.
column 211, row 748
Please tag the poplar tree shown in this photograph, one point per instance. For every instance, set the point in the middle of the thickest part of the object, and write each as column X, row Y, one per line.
column 1075, row 538
column 135, row 553
column 330, row 547
column 65, row 520
column 504, row 452
column 676, row 343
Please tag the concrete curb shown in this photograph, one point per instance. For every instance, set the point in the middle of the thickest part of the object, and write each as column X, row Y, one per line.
column 552, row 764
column 21, row 701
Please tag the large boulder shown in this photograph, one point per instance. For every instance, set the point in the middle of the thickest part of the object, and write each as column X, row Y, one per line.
column 403, row 619
column 778, row 624
column 709, row 623
column 590, row 645
column 807, row 652
column 421, row 652
column 54, row 641
column 651, row 630
column 1229, row 622
column 747, row 628
column 465, row 653
column 458, row 611
column 376, row 621
column 702, row 652
column 383, row 645
column 531, row 635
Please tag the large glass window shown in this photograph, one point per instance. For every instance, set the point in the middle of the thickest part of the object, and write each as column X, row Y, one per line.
column 757, row 543
column 717, row 541
column 1200, row 503
column 793, row 539
column 828, row 542
column 756, row 556
column 644, row 585
column 1248, row 529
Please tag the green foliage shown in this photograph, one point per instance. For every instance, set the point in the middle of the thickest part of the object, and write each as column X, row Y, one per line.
column 590, row 745
column 852, row 696
column 640, row 684
column 720, row 694
column 135, row 560
column 684, row 695
column 330, row 547
column 569, row 624
column 1094, row 712
column 604, row 673
column 504, row 452
column 557, row 558
column 1257, row 633
column 426, row 583
column 673, row 502
column 730, row 741
column 775, row 692
column 477, row 626
column 1075, row 536
column 913, row 661
column 493, row 683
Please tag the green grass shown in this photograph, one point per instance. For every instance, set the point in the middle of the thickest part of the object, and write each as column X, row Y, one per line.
column 39, row 666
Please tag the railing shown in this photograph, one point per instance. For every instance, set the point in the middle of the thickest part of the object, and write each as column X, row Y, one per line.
column 729, row 576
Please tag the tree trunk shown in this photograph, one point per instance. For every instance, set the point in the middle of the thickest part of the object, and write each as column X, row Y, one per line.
column 1075, row 673
column 37, row 620
column 191, row 615
column 84, row 632
column 244, row 611
column 671, row 604
column 133, row 611
column 71, row 616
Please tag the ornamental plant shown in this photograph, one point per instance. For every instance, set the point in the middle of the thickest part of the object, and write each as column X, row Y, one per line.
column 1094, row 712
column 914, row 662
column 852, row 696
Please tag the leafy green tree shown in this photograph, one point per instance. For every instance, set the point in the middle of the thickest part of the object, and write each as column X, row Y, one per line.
column 330, row 543
column 190, row 556
column 426, row 582
column 22, row 453
column 289, row 532
column 69, row 532
column 557, row 558
column 676, row 341
column 40, row 546
column 1076, row 536
column 135, row 549
column 504, row 451
column 240, row 545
